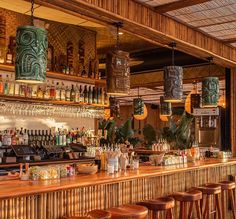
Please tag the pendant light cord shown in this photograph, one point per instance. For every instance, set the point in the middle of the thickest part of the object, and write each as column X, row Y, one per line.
column 173, row 46
column 117, row 36
column 210, row 59
column 118, row 26
column 32, row 12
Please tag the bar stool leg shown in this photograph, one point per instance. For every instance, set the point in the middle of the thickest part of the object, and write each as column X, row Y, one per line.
column 231, row 197
column 155, row 215
column 218, row 205
column 198, row 210
column 223, row 203
column 206, row 213
column 190, row 210
column 181, row 213
column 169, row 214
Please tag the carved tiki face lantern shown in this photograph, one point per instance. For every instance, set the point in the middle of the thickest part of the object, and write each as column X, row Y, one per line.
column 118, row 73
column 210, row 92
column 173, row 84
column 31, row 54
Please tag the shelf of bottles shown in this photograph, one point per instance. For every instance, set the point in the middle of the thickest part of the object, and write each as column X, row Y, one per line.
column 54, row 98
column 49, row 141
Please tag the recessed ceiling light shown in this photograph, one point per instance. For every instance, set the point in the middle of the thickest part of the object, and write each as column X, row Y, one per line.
column 121, row 33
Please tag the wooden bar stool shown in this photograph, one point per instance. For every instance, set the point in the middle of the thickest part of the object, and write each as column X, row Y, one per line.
column 210, row 190
column 227, row 187
column 160, row 204
column 94, row 214
column 128, row 212
column 190, row 198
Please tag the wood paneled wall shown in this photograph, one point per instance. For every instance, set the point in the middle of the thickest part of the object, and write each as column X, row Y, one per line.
column 233, row 109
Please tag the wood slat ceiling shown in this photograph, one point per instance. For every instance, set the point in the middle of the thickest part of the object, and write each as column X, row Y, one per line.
column 216, row 18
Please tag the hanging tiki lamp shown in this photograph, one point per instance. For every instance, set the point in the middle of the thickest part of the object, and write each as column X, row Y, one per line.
column 210, row 89
column 31, row 52
column 173, row 81
column 114, row 107
column 193, row 99
column 117, row 68
column 163, row 118
column 165, row 107
column 138, row 105
column 142, row 116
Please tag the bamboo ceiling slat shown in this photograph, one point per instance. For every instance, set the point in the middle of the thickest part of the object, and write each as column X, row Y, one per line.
column 216, row 18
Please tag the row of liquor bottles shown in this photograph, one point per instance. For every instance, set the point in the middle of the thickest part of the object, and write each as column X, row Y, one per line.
column 38, row 138
column 55, row 91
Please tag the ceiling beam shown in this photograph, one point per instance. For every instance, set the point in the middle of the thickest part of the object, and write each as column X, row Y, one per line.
column 177, row 5
column 153, row 79
column 147, row 24
column 231, row 40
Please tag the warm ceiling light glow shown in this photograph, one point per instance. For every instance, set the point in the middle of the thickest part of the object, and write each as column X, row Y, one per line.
column 121, row 33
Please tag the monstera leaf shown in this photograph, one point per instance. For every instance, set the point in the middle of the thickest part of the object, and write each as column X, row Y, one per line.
column 124, row 132
column 179, row 134
column 149, row 134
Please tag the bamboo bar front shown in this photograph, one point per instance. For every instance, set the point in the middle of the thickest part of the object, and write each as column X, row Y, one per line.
column 52, row 199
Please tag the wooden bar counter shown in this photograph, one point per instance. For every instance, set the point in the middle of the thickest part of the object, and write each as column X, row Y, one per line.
column 51, row 199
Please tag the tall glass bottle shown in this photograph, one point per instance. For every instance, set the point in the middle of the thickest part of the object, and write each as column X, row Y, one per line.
column 85, row 94
column 81, row 94
column 77, row 94
column 1, row 85
column 11, row 87
column 94, row 95
column 67, row 93
column 90, row 95
column 62, row 92
column 58, row 92
column 52, row 91
column 72, row 94
column 6, row 86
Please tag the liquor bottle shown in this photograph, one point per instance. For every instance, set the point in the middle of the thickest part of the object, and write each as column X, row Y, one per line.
column 1, row 85
column 47, row 138
column 81, row 94
column 52, row 91
column 17, row 89
column 11, row 87
column 35, row 137
column 58, row 92
column 100, row 99
column 90, row 95
column 67, row 93
column 9, row 56
column 40, row 92
column 13, row 139
column 106, row 99
column 39, row 138
column 62, row 92
column 43, row 138
column 77, row 94
column 102, row 96
column 94, row 95
column 52, row 138
column 85, row 94
column 47, row 91
column 31, row 137
column 72, row 94
column 84, row 73
column 26, row 137
column 21, row 137
column 98, row 95
column 6, row 86
column 68, row 138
